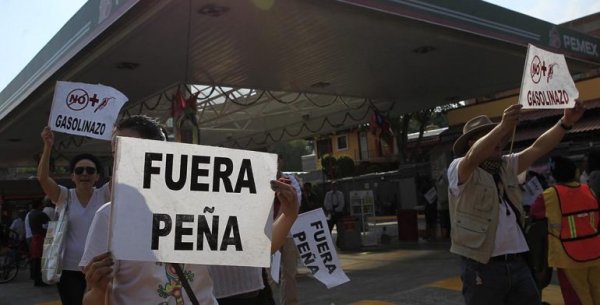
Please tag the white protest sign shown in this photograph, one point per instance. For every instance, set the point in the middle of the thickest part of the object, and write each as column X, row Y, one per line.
column 546, row 83
column 531, row 190
column 316, row 249
column 275, row 266
column 431, row 195
column 85, row 109
column 184, row 203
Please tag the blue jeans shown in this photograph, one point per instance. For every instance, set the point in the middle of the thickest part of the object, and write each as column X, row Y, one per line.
column 498, row 283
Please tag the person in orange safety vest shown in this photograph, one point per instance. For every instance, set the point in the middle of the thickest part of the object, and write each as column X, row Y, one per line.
column 572, row 211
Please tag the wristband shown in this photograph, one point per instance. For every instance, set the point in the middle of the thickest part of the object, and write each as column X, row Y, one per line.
column 563, row 126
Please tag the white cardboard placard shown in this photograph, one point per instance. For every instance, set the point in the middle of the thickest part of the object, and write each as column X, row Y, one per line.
column 185, row 203
column 316, row 249
column 85, row 109
column 546, row 83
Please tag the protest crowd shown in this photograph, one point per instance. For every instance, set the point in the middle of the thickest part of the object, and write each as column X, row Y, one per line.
column 489, row 227
column 176, row 223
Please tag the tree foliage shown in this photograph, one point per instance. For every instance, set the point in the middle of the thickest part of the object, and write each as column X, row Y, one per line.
column 292, row 153
column 417, row 121
column 344, row 167
column 328, row 166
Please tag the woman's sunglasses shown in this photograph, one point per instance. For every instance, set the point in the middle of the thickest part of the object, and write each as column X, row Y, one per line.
column 88, row 169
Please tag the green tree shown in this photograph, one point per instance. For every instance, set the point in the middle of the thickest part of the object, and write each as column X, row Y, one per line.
column 328, row 166
column 416, row 121
column 292, row 153
column 344, row 167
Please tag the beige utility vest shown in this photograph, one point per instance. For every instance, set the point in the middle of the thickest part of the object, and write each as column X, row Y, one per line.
column 474, row 213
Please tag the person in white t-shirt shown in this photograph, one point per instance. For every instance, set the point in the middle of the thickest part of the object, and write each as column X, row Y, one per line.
column 486, row 209
column 81, row 202
column 18, row 226
column 49, row 209
column 28, row 234
column 137, row 282
column 333, row 204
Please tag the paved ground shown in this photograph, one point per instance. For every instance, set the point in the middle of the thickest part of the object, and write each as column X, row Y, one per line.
column 404, row 274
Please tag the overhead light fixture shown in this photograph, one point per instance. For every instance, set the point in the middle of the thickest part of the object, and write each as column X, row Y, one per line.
column 423, row 49
column 124, row 65
column 213, row 10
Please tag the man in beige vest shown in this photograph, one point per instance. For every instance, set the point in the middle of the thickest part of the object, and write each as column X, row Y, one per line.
column 486, row 210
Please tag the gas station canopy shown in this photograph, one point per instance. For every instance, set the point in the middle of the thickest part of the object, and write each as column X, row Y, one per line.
column 270, row 71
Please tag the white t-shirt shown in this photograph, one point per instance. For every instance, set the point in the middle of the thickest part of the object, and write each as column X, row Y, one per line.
column 80, row 219
column 509, row 237
column 28, row 233
column 137, row 282
column 234, row 280
column 50, row 212
column 18, row 225
column 334, row 200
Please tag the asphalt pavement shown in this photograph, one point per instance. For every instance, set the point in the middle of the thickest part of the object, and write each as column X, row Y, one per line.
column 411, row 273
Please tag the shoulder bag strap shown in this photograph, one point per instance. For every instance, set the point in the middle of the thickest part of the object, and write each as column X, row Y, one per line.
column 185, row 284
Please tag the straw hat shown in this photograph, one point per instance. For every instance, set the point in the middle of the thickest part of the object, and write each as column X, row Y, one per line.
column 472, row 127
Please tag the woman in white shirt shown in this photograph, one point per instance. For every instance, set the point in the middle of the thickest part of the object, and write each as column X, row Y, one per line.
column 82, row 202
column 124, row 282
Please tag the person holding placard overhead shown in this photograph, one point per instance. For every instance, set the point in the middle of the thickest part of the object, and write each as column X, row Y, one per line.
column 486, row 210
column 137, row 282
column 81, row 203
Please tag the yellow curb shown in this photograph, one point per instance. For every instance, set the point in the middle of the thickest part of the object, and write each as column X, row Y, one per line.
column 453, row 283
column 553, row 295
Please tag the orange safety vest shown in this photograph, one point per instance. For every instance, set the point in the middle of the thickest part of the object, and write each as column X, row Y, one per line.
column 580, row 222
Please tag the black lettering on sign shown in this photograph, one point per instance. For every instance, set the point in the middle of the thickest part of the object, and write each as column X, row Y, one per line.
column 180, row 231
column 317, row 225
column 162, row 225
column 223, row 174
column 172, row 184
column 246, row 170
column 331, row 268
column 313, row 269
column 157, row 231
column 149, row 169
column 323, row 247
column 307, row 258
column 198, row 172
column 301, row 236
column 204, row 230
column 320, row 236
column 231, row 228
column 222, row 170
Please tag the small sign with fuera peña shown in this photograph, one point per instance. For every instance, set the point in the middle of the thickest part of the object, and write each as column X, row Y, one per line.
column 316, row 249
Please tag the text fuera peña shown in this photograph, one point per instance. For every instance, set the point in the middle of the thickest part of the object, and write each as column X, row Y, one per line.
column 162, row 225
column 196, row 167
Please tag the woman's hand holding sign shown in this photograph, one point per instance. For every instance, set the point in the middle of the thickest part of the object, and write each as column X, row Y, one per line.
column 286, row 194
column 98, row 275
